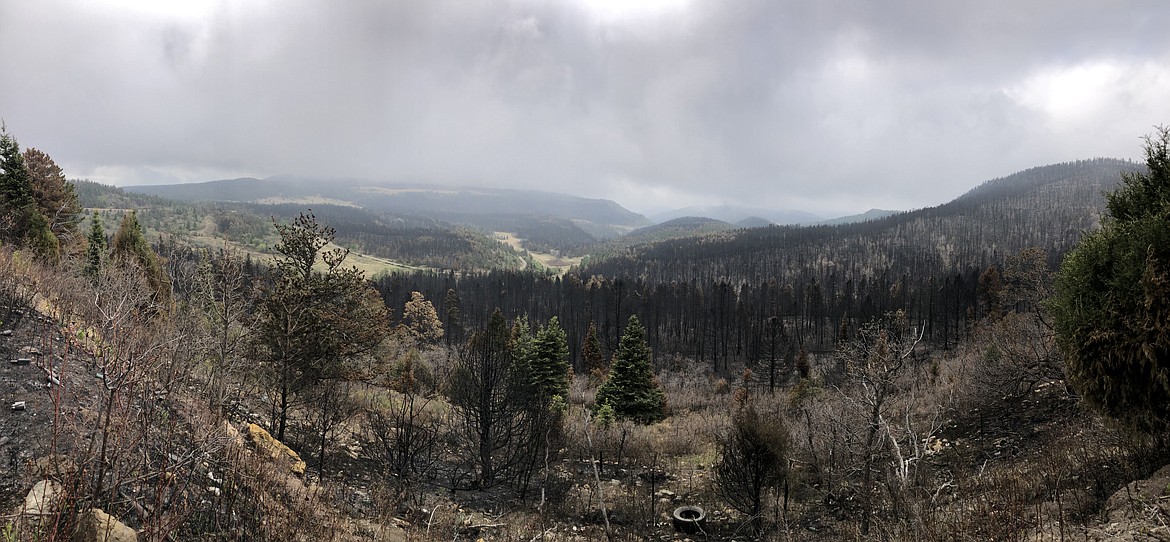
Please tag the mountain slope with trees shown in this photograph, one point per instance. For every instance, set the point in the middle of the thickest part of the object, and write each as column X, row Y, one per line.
column 750, row 295
column 548, row 221
column 881, row 381
column 406, row 240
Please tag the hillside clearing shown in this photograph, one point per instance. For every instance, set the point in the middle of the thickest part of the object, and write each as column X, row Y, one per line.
column 559, row 264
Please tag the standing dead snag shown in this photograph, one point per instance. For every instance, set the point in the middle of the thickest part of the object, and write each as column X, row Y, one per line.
column 875, row 363
column 225, row 295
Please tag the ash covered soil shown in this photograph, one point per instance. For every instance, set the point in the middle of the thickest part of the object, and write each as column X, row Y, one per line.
column 57, row 386
column 41, row 369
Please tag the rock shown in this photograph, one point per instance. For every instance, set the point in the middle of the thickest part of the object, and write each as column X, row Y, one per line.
column 352, row 450
column 6, row 333
column 98, row 526
column 233, row 436
column 1141, row 498
column 268, row 445
column 42, row 500
column 935, row 445
column 1133, row 513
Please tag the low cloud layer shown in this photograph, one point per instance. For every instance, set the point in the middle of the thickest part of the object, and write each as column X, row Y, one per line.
column 828, row 106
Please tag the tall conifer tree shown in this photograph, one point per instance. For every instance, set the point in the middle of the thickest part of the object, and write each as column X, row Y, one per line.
column 631, row 388
column 550, row 361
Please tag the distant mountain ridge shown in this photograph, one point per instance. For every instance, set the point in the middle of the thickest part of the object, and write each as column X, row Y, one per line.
column 546, row 221
column 444, row 202
column 1047, row 207
column 573, row 226
column 489, row 208
column 733, row 214
column 872, row 214
column 380, row 243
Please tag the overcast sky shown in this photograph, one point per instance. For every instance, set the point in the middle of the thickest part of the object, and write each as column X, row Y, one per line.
column 828, row 106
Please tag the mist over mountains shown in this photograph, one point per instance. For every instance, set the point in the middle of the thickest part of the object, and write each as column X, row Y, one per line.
column 547, row 221
column 745, row 216
column 581, row 220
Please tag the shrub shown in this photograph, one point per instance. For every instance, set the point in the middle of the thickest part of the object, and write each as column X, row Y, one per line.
column 752, row 461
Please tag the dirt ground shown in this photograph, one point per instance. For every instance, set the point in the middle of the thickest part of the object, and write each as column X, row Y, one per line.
column 57, row 383
column 28, row 433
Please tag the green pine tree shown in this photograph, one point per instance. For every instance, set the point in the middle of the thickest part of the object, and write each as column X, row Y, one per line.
column 591, row 354
column 130, row 248
column 39, row 236
column 1111, row 310
column 523, row 347
column 15, row 185
column 549, row 367
column 631, row 388
column 16, row 196
column 95, row 251
column 312, row 325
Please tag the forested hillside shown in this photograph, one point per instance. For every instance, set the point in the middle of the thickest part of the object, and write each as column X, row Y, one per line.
column 411, row 240
column 892, row 380
column 546, row 221
column 712, row 297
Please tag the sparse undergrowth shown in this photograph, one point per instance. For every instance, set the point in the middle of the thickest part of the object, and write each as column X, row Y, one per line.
column 137, row 418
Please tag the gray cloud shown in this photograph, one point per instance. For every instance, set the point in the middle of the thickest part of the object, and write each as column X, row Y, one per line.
column 828, row 106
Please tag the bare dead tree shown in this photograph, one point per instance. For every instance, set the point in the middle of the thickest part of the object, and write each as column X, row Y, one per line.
column 875, row 364
column 1021, row 351
column 226, row 294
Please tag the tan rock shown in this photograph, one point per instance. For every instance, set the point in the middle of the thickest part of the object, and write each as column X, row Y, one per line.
column 42, row 500
column 268, row 445
column 97, row 526
column 233, row 436
column 38, row 511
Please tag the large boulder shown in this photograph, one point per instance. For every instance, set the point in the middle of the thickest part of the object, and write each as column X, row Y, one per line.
column 97, row 526
column 1138, row 512
column 266, row 444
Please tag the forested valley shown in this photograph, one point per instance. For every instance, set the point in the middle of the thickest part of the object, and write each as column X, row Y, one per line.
column 208, row 370
column 733, row 298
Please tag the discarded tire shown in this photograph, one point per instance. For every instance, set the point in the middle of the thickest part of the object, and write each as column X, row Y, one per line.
column 689, row 519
